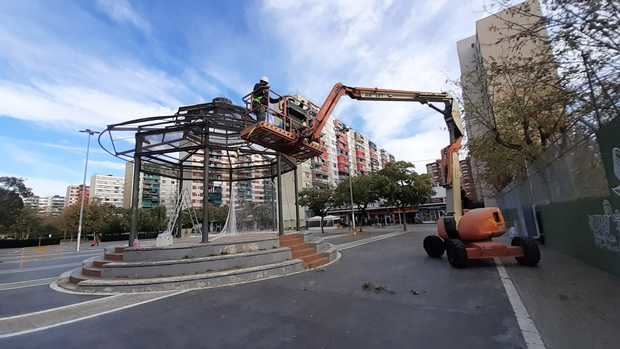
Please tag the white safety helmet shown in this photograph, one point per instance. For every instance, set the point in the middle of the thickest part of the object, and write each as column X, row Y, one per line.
column 265, row 79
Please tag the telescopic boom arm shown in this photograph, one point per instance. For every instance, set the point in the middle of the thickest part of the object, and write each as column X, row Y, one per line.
column 377, row 94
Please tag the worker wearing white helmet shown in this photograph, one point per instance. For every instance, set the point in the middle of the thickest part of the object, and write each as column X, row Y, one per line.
column 261, row 99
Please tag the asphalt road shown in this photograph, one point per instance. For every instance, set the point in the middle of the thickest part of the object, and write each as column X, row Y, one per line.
column 37, row 264
column 413, row 302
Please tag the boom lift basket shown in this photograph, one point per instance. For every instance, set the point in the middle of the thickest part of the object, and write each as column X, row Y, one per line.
column 273, row 137
column 288, row 120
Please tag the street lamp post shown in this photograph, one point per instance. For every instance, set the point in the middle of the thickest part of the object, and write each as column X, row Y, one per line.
column 79, row 235
column 346, row 129
column 351, row 192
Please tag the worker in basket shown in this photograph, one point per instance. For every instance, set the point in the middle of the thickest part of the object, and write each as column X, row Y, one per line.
column 261, row 100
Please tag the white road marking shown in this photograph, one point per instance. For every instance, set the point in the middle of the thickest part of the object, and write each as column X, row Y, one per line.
column 26, row 283
column 526, row 324
column 43, row 267
column 44, row 258
column 32, row 323
column 7, row 258
column 361, row 242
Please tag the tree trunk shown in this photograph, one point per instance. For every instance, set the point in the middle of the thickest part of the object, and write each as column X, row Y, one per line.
column 404, row 221
column 322, row 231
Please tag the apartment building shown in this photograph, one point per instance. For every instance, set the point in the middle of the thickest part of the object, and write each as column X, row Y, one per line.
column 46, row 205
column 467, row 180
column 433, row 169
column 74, row 194
column 475, row 53
column 107, row 189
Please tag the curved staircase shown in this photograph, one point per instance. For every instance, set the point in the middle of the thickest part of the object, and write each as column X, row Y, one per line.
column 186, row 266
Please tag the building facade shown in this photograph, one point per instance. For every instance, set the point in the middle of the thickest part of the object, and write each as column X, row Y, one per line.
column 467, row 180
column 107, row 189
column 74, row 194
column 154, row 191
column 433, row 169
column 475, row 53
column 45, row 205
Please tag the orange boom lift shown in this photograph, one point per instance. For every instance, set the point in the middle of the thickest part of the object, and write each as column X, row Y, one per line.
column 462, row 235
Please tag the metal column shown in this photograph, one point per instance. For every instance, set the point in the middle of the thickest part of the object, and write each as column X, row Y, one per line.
column 296, row 204
column 280, row 213
column 135, row 190
column 274, row 219
column 180, row 193
column 205, row 189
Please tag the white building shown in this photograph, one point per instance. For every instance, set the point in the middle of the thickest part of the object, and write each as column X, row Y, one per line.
column 168, row 188
column 107, row 189
column 46, row 205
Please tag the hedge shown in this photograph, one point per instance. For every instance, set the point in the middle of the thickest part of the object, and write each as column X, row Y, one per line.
column 28, row 243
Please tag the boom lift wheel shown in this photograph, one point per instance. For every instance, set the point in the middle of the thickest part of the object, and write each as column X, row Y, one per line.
column 531, row 252
column 434, row 246
column 457, row 254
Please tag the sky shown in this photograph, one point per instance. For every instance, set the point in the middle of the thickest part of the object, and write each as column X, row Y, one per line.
column 68, row 65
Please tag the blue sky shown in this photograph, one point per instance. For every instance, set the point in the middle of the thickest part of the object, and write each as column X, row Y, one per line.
column 66, row 65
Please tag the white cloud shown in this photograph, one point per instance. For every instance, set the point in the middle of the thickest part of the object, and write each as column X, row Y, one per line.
column 75, row 105
column 62, row 147
column 69, row 85
column 229, row 78
column 122, row 11
column 403, row 45
column 103, row 164
column 43, row 186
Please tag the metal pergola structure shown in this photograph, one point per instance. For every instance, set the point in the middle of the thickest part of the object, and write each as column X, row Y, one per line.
column 176, row 146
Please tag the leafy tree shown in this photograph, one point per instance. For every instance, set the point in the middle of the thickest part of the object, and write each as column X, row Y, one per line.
column 16, row 185
column 70, row 219
column 152, row 219
column 583, row 39
column 364, row 192
column 99, row 219
column 558, row 73
column 26, row 224
column 256, row 216
column 12, row 190
column 319, row 200
column 401, row 186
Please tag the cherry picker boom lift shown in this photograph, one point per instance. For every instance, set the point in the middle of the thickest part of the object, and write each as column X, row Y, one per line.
column 462, row 235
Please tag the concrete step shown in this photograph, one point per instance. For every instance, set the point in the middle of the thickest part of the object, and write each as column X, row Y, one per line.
column 317, row 262
column 189, row 250
column 119, row 249
column 187, row 266
column 91, row 271
column 314, row 260
column 77, row 278
column 79, row 282
column 113, row 256
column 304, row 251
column 100, row 263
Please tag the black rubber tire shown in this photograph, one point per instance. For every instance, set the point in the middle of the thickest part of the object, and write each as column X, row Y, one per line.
column 457, row 254
column 531, row 252
column 434, row 246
